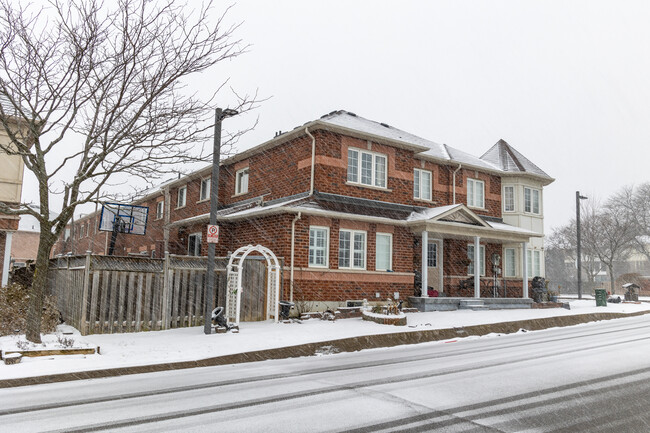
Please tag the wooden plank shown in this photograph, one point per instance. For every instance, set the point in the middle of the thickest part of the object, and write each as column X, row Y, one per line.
column 94, row 303
column 182, row 305
column 148, row 304
column 103, row 305
column 122, row 301
column 138, row 303
column 198, row 295
column 114, row 295
column 191, row 290
column 83, row 319
column 130, row 301
column 175, row 301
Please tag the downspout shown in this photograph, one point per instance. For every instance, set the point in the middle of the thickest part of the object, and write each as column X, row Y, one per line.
column 313, row 161
column 293, row 238
column 454, row 181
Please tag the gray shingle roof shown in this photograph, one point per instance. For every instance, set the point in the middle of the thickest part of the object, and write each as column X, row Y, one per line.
column 500, row 157
column 506, row 158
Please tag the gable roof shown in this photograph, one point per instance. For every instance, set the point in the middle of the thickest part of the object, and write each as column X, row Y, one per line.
column 508, row 159
column 456, row 213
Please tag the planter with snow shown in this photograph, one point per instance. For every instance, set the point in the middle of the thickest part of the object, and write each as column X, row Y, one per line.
column 385, row 319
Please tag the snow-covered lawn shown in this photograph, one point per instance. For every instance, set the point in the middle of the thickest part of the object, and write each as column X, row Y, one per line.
column 185, row 344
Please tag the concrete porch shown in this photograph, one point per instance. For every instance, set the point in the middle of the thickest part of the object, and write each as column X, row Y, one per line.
column 425, row 304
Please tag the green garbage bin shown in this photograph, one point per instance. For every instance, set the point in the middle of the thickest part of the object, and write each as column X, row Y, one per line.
column 601, row 298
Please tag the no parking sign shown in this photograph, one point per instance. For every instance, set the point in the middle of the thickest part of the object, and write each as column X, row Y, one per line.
column 213, row 234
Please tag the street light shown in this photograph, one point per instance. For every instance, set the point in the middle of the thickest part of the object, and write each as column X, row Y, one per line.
column 219, row 115
column 579, row 262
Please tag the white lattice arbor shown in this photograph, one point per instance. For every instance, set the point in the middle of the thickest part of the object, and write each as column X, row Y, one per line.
column 234, row 289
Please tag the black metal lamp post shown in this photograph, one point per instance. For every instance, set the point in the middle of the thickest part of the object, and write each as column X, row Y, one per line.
column 578, row 254
column 219, row 115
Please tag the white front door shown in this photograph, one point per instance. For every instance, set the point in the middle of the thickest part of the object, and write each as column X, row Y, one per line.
column 434, row 265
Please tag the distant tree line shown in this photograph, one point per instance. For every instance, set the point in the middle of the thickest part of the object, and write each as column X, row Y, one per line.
column 612, row 232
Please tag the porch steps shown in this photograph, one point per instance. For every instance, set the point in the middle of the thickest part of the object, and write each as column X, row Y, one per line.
column 472, row 304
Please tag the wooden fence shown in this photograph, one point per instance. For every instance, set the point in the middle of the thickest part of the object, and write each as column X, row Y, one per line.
column 104, row 294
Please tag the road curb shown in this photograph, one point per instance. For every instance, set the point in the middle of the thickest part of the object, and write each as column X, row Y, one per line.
column 350, row 344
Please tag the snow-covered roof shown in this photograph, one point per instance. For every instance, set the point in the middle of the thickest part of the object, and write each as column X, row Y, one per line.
column 500, row 158
column 512, row 229
column 507, row 159
column 431, row 213
column 346, row 119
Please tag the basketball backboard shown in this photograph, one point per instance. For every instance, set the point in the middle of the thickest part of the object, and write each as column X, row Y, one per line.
column 125, row 218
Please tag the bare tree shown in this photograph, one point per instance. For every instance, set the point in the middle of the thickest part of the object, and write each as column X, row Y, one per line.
column 92, row 94
column 561, row 250
column 609, row 235
column 633, row 203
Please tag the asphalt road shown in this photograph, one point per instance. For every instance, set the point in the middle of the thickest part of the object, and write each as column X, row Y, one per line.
column 588, row 378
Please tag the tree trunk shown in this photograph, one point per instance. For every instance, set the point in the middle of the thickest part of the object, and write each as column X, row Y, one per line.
column 37, row 291
column 611, row 278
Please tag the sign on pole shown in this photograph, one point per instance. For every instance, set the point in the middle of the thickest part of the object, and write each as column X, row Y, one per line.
column 213, row 234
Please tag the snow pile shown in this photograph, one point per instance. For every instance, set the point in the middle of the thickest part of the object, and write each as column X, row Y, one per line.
column 185, row 344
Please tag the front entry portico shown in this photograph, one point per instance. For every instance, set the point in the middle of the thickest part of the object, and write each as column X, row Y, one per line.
column 473, row 246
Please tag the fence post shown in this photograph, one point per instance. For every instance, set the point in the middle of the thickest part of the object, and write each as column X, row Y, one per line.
column 165, row 311
column 84, row 297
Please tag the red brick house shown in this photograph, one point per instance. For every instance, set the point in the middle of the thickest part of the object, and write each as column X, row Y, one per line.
column 356, row 209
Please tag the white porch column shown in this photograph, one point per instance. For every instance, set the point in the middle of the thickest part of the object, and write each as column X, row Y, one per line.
column 524, row 267
column 7, row 260
column 425, row 261
column 477, row 267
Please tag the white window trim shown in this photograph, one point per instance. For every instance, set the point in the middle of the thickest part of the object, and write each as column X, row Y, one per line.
column 532, row 201
column 390, row 251
column 238, row 173
column 530, row 254
column 178, row 196
column 373, row 180
column 327, row 247
column 197, row 235
column 481, row 249
column 433, row 242
column 475, row 182
column 505, row 262
column 160, row 205
column 201, row 191
column 418, row 172
column 351, row 251
column 514, row 199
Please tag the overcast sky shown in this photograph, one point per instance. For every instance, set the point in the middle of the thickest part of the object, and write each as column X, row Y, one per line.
column 565, row 83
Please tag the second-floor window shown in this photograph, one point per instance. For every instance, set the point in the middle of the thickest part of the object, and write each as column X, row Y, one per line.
column 205, row 189
column 509, row 198
column 241, row 181
column 182, row 196
column 475, row 193
column 367, row 168
column 531, row 200
column 422, row 184
column 160, row 209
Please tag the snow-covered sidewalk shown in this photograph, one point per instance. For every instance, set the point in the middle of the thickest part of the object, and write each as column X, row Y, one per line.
column 188, row 344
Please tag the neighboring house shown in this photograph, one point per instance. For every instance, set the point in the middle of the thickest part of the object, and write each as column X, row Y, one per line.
column 11, row 183
column 24, row 247
column 356, row 208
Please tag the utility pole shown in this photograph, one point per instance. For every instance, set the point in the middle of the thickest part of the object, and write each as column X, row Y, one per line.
column 219, row 115
column 578, row 253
